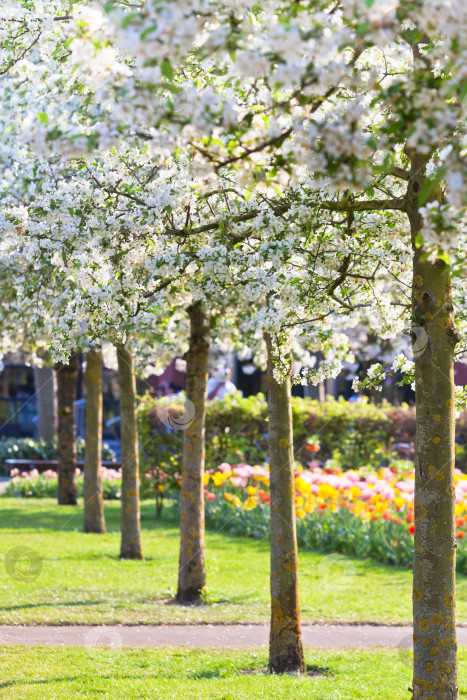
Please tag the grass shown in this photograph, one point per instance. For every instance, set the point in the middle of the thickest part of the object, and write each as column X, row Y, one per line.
column 83, row 581
column 179, row 673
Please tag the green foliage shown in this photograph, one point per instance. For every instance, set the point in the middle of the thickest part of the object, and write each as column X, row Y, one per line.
column 236, row 431
column 27, row 448
column 325, row 532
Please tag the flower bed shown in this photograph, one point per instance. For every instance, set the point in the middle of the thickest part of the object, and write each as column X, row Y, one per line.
column 360, row 513
column 35, row 485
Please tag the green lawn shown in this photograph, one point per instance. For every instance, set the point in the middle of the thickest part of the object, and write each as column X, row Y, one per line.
column 82, row 579
column 168, row 674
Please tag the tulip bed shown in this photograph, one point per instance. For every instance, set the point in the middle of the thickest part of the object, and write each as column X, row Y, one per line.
column 361, row 513
column 35, row 485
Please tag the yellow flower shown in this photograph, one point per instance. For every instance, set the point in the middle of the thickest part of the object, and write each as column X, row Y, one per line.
column 219, row 478
column 300, row 513
column 206, row 478
column 236, row 501
column 251, row 491
column 228, row 497
column 302, row 485
column 160, row 488
column 249, row 504
column 355, row 492
column 399, row 502
column 328, row 491
column 298, row 501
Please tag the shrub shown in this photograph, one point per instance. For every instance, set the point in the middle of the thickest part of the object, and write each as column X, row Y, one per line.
column 236, row 431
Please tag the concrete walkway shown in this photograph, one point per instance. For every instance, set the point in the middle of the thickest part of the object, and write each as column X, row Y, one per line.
column 331, row 636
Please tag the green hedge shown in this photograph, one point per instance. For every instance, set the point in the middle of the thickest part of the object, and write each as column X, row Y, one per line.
column 355, row 434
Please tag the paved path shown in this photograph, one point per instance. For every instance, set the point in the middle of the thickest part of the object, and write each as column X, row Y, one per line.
column 332, row 636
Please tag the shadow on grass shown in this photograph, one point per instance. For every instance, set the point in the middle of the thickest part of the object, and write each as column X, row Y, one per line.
column 38, row 514
column 312, row 671
column 61, row 604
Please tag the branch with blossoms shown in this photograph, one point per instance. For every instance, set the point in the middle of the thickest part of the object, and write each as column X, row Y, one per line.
column 376, row 376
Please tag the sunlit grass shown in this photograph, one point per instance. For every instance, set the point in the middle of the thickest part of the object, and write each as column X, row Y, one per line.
column 83, row 581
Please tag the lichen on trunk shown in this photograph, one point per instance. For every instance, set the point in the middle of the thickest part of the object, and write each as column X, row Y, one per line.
column 285, row 643
column 94, row 520
column 434, row 595
column 67, row 375
column 192, row 573
column 131, row 547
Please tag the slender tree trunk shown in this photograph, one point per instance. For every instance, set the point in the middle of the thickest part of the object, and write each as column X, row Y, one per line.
column 46, row 402
column 67, row 375
column 191, row 572
column 94, row 520
column 285, row 642
column 131, row 529
column 434, row 596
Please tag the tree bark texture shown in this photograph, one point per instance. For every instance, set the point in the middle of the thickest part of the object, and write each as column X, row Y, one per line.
column 434, row 338
column 94, row 520
column 191, row 572
column 67, row 375
column 46, row 402
column 285, row 642
column 131, row 547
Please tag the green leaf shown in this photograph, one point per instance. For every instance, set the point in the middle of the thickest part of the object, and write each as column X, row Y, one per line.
column 43, row 117
column 419, row 240
column 444, row 256
column 166, row 69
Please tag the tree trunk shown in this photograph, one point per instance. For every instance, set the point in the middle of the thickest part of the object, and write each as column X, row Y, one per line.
column 67, row 375
column 285, row 642
column 130, row 527
column 434, row 339
column 94, row 520
column 191, row 572
column 46, row 402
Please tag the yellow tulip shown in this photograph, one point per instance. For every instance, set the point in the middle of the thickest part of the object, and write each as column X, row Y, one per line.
column 302, row 485
column 249, row 504
column 219, row 478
